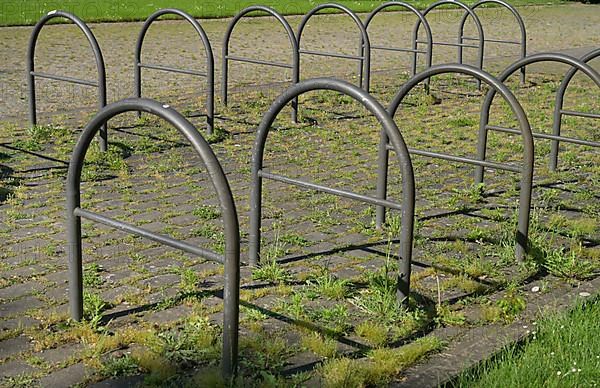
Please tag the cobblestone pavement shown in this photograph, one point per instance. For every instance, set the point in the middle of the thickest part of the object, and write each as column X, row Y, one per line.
column 151, row 177
column 62, row 50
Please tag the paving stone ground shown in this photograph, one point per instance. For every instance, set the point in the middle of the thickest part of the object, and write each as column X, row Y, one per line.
column 62, row 50
column 153, row 179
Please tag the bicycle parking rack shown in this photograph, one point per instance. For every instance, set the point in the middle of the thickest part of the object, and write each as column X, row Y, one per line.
column 100, row 84
column 231, row 228
column 388, row 127
column 484, row 126
column 428, row 52
column 294, row 66
column 364, row 49
column 526, row 170
column 559, row 111
column 210, row 62
column 522, row 43
column 459, row 43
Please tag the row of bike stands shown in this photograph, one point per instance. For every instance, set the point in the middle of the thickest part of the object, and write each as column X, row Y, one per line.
column 496, row 86
column 365, row 46
column 470, row 12
column 138, row 65
column 460, row 44
column 575, row 64
column 363, row 57
column 231, row 257
column 391, row 140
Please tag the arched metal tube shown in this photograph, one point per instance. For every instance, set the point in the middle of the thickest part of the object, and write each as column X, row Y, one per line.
column 518, row 18
column 459, row 42
column 558, row 107
column 364, row 49
column 486, row 107
column 428, row 52
column 294, row 66
column 389, row 128
column 32, row 74
column 210, row 62
column 528, row 156
column 228, row 210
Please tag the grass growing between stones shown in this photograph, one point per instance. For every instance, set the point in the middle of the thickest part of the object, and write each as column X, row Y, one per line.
column 324, row 296
column 563, row 351
column 379, row 367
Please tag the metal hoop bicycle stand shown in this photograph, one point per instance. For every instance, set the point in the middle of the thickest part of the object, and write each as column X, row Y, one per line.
column 428, row 52
column 484, row 126
column 231, row 228
column 210, row 62
column 520, row 22
column 526, row 170
column 294, row 66
column 32, row 74
column 459, row 43
column 388, row 127
column 364, row 49
column 559, row 111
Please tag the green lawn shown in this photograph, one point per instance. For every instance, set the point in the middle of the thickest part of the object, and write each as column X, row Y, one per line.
column 27, row 12
column 565, row 352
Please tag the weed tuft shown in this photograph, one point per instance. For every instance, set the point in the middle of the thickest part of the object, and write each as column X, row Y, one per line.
column 207, row 213
column 271, row 271
column 380, row 367
column 329, row 286
column 119, row 366
column 322, row 346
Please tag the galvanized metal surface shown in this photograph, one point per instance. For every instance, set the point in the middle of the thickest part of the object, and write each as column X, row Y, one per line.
column 231, row 258
column 522, row 43
column 295, row 65
column 210, row 62
column 389, row 130
column 528, row 155
column 32, row 74
column 559, row 111
column 459, row 44
column 428, row 52
column 484, row 126
column 364, row 47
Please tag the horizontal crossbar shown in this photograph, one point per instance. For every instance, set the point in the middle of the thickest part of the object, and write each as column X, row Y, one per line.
column 462, row 159
column 545, row 136
column 171, row 69
column 493, row 40
column 334, row 55
column 449, row 44
column 259, row 62
column 206, row 254
column 580, row 114
column 64, row 78
column 403, row 50
column 329, row 190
